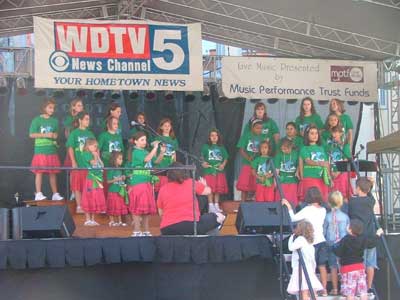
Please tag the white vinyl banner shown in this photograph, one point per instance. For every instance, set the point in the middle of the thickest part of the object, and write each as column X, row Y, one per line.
column 118, row 55
column 286, row 78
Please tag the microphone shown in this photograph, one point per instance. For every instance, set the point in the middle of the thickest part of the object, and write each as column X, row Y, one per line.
column 134, row 123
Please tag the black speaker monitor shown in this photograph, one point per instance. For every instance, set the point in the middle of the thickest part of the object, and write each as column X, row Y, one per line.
column 42, row 222
column 261, row 218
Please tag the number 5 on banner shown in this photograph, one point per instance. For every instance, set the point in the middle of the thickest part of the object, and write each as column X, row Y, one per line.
column 178, row 55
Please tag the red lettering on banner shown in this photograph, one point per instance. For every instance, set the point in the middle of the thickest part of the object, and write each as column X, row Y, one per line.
column 103, row 40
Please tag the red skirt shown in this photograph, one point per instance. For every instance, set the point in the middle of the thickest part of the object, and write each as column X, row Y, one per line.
column 45, row 160
column 141, row 199
column 78, row 178
column 93, row 201
column 246, row 181
column 116, row 204
column 290, row 192
column 342, row 185
column 308, row 182
column 217, row 183
column 163, row 181
column 265, row 193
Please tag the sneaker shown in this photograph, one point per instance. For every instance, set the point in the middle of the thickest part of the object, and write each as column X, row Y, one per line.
column 220, row 218
column 39, row 196
column 146, row 233
column 217, row 208
column 94, row 223
column 211, row 208
column 88, row 223
column 57, row 197
column 137, row 233
column 79, row 210
column 122, row 224
column 112, row 224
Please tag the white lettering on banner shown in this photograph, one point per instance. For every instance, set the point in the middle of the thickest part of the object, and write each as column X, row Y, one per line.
column 72, row 39
column 282, row 78
column 118, row 55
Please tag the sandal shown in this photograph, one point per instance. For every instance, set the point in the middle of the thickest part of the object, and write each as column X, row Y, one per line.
column 334, row 292
column 323, row 293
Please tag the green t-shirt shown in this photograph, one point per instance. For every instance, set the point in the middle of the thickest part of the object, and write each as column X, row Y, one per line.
column 104, row 126
column 326, row 136
column 108, row 143
column 250, row 143
column 116, row 186
column 172, row 146
column 44, row 125
column 346, row 122
column 314, row 153
column 94, row 173
column 261, row 166
column 269, row 128
column 139, row 176
column 77, row 140
column 336, row 155
column 287, row 165
column 68, row 122
column 214, row 155
column 297, row 141
column 313, row 119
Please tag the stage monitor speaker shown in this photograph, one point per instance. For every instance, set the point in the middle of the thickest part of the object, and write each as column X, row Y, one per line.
column 261, row 218
column 42, row 222
column 4, row 224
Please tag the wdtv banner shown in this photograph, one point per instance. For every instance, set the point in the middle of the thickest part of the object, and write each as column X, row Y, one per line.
column 285, row 78
column 117, row 55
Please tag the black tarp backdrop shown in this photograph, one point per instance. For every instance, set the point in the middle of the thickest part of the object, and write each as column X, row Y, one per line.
column 191, row 121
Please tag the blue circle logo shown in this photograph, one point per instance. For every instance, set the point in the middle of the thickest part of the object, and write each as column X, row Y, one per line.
column 59, row 61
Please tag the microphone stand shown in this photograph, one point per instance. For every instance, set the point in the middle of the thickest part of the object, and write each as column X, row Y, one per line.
column 383, row 239
column 302, row 265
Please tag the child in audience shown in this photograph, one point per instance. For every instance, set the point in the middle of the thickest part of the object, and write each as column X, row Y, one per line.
column 314, row 213
column 350, row 251
column 335, row 227
column 361, row 207
column 302, row 239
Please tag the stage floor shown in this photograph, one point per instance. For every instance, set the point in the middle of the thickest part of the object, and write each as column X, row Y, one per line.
column 105, row 231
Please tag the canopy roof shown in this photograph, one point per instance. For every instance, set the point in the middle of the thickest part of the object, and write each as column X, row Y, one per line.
column 389, row 143
column 342, row 29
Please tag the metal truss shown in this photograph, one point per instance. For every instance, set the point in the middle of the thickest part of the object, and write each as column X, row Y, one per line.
column 235, row 36
column 18, row 24
column 294, row 26
column 387, row 3
column 23, row 61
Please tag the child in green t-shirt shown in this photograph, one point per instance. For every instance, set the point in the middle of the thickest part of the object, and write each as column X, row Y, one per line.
column 93, row 200
column 314, row 166
column 117, row 196
column 337, row 106
column 308, row 115
column 286, row 162
column 265, row 189
column 44, row 130
column 215, row 159
column 248, row 145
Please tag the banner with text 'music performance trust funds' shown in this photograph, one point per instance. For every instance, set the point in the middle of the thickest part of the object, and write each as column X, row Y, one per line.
column 117, row 55
column 287, row 78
